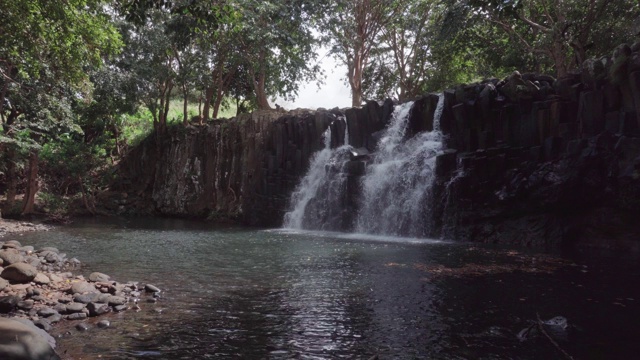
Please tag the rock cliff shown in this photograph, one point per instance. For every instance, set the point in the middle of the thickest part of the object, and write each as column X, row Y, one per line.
column 530, row 159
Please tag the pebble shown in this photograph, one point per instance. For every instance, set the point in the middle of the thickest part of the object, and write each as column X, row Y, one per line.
column 46, row 312
column 43, row 324
column 151, row 288
column 60, row 308
column 25, row 304
column 54, row 318
column 120, row 308
column 75, row 307
column 104, row 324
column 77, row 316
column 82, row 327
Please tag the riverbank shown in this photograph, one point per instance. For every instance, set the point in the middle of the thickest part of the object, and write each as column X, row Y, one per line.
column 40, row 290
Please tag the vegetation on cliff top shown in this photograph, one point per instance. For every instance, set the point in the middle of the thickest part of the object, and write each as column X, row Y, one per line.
column 82, row 80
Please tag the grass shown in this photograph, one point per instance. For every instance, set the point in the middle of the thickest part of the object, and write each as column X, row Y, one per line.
column 176, row 112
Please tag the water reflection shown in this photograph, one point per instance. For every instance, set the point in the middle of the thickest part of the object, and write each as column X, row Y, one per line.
column 237, row 293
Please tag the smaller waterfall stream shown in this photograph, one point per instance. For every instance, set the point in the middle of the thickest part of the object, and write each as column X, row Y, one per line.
column 318, row 199
column 393, row 191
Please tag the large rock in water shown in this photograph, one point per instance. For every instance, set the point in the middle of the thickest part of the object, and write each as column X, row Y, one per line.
column 20, row 273
column 23, row 341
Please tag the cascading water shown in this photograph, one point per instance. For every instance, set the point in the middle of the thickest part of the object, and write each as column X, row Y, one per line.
column 398, row 181
column 393, row 191
column 318, row 201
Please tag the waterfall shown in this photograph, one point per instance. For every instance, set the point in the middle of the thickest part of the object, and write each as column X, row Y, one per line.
column 317, row 201
column 397, row 184
column 393, row 192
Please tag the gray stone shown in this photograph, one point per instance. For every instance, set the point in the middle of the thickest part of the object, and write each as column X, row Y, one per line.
column 15, row 243
column 22, row 340
column 151, row 288
column 103, row 324
column 48, row 248
column 102, row 298
column 54, row 318
column 85, row 298
column 120, row 308
column 46, row 312
column 10, row 256
column 117, row 300
column 43, row 324
column 97, row 309
column 60, row 308
column 82, row 327
column 75, row 307
column 52, row 257
column 82, row 287
column 20, row 273
column 55, row 278
column 41, row 279
column 3, row 284
column 77, row 316
column 8, row 303
column 99, row 277
column 25, row 305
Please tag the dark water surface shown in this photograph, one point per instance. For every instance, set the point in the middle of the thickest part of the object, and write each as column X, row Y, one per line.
column 235, row 293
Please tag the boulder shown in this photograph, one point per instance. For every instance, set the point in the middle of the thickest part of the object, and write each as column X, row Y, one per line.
column 21, row 340
column 99, row 277
column 20, row 273
column 10, row 256
column 82, row 287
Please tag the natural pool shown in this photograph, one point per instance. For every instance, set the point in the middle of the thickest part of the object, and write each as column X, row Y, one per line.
column 238, row 293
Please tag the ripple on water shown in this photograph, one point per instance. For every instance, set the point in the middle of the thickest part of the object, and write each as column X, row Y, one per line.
column 237, row 293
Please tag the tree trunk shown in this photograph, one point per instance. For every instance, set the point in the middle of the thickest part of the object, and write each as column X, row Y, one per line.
column 207, row 103
column 200, row 107
column 89, row 206
column 185, row 104
column 32, row 184
column 218, row 102
column 560, row 59
column 12, row 180
column 261, row 94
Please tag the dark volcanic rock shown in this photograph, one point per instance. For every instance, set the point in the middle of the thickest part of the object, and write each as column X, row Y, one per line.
column 97, row 309
column 8, row 303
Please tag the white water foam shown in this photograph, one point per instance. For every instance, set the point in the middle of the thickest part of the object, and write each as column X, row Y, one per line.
column 397, row 183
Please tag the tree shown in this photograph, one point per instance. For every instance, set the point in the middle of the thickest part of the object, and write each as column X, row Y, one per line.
column 352, row 28
column 561, row 30
column 44, row 48
column 403, row 60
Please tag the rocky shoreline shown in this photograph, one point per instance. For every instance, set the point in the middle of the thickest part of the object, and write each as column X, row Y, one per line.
column 38, row 290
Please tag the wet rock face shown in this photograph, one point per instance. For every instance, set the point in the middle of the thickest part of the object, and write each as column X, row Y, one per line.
column 533, row 160
column 548, row 170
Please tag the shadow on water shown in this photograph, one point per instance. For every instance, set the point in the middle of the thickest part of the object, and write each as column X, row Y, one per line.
column 244, row 293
